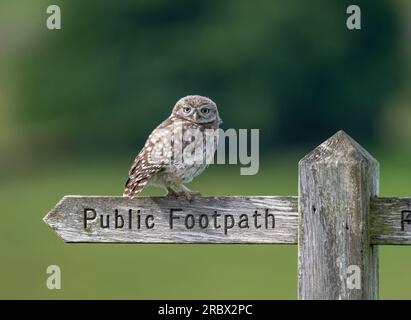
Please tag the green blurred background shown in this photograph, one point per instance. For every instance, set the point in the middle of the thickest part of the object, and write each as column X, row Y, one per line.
column 77, row 104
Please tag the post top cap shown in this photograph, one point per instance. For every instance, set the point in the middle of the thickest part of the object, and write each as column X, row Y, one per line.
column 340, row 147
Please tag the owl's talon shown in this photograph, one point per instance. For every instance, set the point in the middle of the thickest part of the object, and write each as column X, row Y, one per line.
column 184, row 194
column 172, row 194
column 190, row 195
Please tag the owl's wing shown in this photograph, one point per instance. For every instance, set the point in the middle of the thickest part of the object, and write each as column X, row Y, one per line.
column 145, row 165
column 140, row 174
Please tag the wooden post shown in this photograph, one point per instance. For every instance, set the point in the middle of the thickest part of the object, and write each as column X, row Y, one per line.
column 335, row 256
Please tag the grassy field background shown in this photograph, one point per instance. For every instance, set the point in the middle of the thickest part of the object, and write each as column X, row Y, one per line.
column 77, row 104
column 28, row 246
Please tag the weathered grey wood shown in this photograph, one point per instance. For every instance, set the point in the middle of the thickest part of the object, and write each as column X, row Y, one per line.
column 67, row 219
column 336, row 182
column 386, row 217
column 391, row 221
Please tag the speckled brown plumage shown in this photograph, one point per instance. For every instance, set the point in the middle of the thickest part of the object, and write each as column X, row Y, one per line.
column 162, row 161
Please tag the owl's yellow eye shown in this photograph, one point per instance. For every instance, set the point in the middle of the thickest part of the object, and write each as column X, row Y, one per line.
column 186, row 109
column 205, row 110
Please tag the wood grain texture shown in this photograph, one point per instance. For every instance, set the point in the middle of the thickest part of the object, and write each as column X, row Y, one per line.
column 391, row 220
column 336, row 182
column 67, row 219
column 386, row 217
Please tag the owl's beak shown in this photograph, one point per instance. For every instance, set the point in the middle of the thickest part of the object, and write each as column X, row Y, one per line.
column 195, row 116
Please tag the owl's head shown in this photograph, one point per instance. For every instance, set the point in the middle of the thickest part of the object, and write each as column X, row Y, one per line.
column 197, row 109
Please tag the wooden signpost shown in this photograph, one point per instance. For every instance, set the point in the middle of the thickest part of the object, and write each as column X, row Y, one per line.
column 337, row 221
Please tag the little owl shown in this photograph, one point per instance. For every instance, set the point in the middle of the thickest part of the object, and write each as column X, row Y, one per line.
column 178, row 150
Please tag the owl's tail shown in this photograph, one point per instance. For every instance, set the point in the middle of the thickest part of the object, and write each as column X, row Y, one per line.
column 134, row 187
